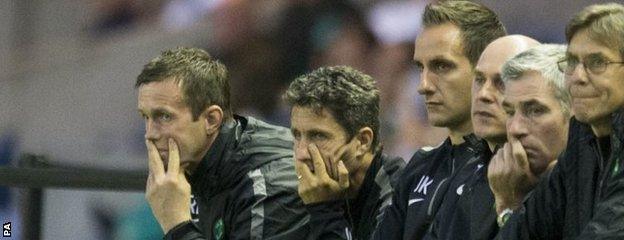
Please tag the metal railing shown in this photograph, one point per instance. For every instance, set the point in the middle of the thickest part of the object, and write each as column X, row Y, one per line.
column 35, row 174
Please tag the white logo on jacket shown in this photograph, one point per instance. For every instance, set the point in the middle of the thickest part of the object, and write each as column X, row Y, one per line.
column 423, row 184
column 421, row 188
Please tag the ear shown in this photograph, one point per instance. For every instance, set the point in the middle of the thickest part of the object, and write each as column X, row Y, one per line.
column 212, row 117
column 364, row 138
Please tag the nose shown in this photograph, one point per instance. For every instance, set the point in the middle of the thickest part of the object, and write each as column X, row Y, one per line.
column 151, row 131
column 487, row 92
column 579, row 76
column 301, row 151
column 425, row 86
column 517, row 126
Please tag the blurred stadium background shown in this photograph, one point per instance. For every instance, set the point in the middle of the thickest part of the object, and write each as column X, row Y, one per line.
column 67, row 70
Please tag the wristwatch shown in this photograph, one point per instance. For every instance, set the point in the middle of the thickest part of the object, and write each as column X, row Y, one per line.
column 504, row 216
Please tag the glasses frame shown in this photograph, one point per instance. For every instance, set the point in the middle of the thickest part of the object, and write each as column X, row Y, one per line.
column 562, row 65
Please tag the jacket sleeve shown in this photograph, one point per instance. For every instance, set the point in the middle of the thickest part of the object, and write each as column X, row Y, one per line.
column 184, row 231
column 609, row 214
column 393, row 218
column 327, row 221
column 540, row 216
column 273, row 210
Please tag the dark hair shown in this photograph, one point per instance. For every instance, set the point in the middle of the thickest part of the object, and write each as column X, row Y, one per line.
column 349, row 95
column 203, row 80
column 604, row 22
column 478, row 24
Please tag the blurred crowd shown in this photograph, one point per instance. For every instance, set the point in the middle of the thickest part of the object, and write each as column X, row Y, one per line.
column 266, row 44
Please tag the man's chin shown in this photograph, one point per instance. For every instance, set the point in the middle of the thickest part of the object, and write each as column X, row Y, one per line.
column 491, row 135
column 437, row 121
column 537, row 167
column 184, row 165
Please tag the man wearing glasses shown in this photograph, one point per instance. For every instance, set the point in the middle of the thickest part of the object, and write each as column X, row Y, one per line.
column 583, row 197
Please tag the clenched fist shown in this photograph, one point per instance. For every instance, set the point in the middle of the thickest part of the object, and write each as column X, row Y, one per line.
column 510, row 176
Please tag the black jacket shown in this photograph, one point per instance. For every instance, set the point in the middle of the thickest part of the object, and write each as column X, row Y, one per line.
column 329, row 220
column 431, row 177
column 583, row 197
column 473, row 214
column 246, row 186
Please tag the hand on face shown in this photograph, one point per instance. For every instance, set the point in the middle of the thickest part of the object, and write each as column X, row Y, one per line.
column 510, row 176
column 167, row 191
column 318, row 186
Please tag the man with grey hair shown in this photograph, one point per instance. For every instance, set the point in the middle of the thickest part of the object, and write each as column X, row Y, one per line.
column 471, row 216
column 582, row 197
column 538, row 107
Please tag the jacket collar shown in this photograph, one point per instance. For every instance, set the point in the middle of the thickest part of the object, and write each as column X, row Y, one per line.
column 219, row 168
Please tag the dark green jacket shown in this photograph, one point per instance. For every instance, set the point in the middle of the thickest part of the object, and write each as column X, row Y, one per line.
column 357, row 218
column 583, row 197
column 246, row 186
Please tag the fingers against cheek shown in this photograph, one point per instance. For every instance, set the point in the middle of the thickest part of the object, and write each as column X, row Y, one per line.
column 174, row 158
column 149, row 182
column 302, row 170
column 343, row 175
column 154, row 162
column 330, row 166
column 319, row 165
column 341, row 151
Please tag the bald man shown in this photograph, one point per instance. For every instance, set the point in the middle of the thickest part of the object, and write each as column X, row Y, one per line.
column 472, row 215
column 488, row 117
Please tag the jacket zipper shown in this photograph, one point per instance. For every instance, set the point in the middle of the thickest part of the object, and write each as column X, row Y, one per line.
column 435, row 193
column 604, row 169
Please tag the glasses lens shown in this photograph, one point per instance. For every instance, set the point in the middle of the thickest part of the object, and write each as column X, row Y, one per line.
column 597, row 66
column 570, row 65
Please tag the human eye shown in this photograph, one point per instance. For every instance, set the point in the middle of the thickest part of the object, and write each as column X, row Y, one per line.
column 419, row 67
column 509, row 111
column 296, row 134
column 571, row 62
column 441, row 66
column 535, row 111
column 318, row 136
column 596, row 63
column 479, row 79
column 498, row 83
column 164, row 117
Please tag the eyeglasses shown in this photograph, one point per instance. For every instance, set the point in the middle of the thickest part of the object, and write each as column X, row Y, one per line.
column 594, row 65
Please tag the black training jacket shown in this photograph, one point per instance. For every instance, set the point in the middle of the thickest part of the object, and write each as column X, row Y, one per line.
column 431, row 175
column 357, row 218
column 246, row 187
column 583, row 197
column 473, row 214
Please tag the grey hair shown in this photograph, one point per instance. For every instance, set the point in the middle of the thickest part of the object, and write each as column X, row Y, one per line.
column 542, row 59
column 604, row 23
